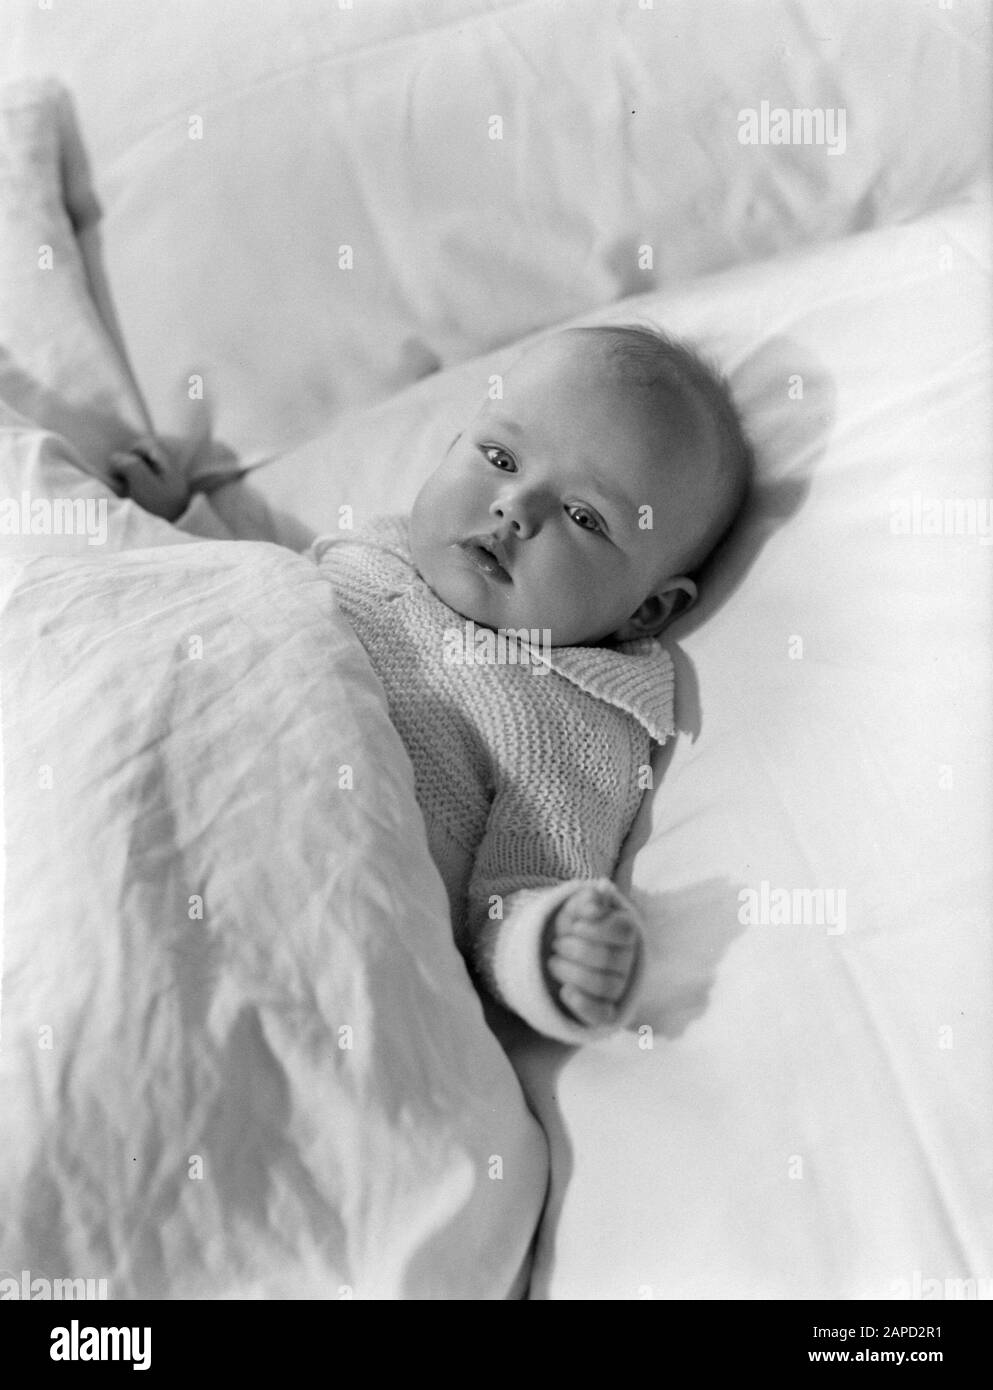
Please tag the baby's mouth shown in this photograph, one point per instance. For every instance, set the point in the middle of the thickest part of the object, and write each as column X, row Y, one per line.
column 483, row 555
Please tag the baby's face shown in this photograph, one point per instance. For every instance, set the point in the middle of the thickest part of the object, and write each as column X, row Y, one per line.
column 536, row 517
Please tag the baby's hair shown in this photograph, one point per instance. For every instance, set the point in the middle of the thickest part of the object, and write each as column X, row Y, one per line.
column 650, row 358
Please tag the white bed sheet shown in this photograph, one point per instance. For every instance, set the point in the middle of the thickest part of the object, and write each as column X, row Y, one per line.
column 813, row 1117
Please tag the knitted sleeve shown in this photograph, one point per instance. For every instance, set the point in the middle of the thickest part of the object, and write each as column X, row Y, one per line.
column 551, row 829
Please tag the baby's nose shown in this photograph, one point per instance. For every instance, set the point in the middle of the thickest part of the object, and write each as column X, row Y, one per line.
column 517, row 514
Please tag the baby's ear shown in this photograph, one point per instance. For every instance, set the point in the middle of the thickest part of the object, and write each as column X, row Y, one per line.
column 673, row 599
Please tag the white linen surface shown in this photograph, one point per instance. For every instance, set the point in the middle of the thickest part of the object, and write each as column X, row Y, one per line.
column 309, row 206
column 240, row 1055
column 813, row 1118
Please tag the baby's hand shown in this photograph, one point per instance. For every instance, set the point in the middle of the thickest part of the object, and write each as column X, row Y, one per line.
column 591, row 948
column 149, row 475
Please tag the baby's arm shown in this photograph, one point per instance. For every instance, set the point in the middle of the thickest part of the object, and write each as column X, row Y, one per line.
column 548, row 933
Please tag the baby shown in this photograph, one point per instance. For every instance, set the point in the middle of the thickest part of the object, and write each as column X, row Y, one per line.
column 579, row 506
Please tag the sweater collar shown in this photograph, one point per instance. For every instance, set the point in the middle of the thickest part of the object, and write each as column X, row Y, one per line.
column 636, row 677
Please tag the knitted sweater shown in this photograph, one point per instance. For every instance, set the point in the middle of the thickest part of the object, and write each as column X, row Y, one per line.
column 528, row 761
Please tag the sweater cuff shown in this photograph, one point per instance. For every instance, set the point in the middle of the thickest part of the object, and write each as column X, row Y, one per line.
column 519, row 972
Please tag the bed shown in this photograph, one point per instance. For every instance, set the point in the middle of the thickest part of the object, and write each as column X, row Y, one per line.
column 316, row 241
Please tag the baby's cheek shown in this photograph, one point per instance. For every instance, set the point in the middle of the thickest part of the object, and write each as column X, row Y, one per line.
column 573, row 605
column 463, row 489
column 425, row 505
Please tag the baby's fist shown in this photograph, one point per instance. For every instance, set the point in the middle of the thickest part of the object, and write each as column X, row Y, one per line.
column 591, row 949
column 150, row 476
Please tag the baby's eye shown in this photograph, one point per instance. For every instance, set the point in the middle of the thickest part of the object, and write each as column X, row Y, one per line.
column 499, row 458
column 585, row 519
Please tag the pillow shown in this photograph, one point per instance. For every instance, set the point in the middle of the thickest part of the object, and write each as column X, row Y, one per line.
column 763, row 326
column 301, row 218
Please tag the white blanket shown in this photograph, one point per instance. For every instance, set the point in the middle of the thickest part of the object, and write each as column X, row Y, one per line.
column 239, row 1053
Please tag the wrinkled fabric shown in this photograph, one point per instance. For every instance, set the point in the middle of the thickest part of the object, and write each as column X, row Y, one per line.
column 311, row 212
column 239, row 1053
